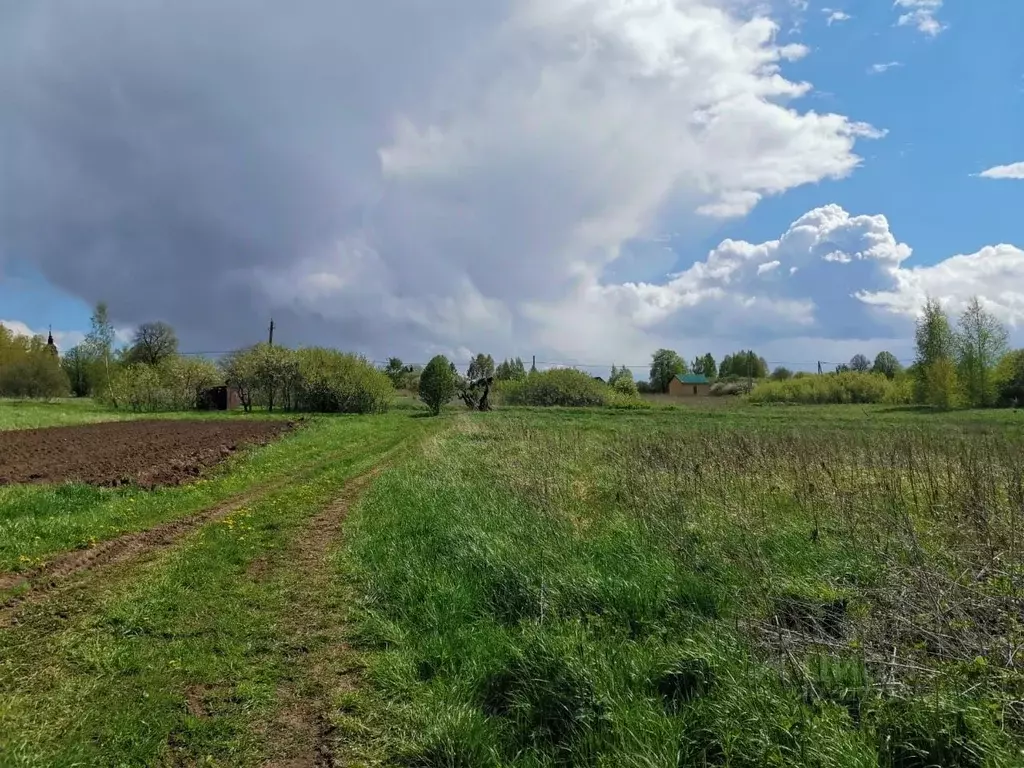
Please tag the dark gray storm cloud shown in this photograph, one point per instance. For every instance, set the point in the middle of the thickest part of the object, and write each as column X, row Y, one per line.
column 387, row 176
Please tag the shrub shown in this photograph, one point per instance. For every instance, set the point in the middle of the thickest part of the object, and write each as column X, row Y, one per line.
column 185, row 379
column 846, row 387
column 437, row 383
column 1009, row 378
column 29, row 368
column 139, row 388
column 559, row 387
column 174, row 385
column 337, row 382
column 624, row 385
column 724, row 388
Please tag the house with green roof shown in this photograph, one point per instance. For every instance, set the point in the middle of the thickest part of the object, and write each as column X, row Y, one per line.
column 689, row 385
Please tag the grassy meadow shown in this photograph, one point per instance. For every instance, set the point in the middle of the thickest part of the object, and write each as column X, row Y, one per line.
column 672, row 586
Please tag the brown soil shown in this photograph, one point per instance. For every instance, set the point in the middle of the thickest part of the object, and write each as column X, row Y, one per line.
column 145, row 453
column 305, row 734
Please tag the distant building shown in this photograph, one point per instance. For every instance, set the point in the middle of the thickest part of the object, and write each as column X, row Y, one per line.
column 690, row 385
column 50, row 346
column 221, row 398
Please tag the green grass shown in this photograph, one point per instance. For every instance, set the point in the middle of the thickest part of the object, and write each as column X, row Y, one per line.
column 551, row 588
column 742, row 586
column 32, row 414
column 186, row 659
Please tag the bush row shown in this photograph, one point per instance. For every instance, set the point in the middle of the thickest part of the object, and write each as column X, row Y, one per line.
column 569, row 388
column 312, row 380
column 836, row 388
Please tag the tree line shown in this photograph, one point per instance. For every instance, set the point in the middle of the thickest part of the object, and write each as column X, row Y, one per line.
column 969, row 364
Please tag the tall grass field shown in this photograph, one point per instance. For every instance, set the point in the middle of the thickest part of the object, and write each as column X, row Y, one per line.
column 549, row 588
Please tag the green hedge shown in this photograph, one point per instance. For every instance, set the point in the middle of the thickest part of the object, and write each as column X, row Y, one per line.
column 835, row 388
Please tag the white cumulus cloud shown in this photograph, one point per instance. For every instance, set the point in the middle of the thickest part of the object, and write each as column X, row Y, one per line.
column 878, row 69
column 834, row 16
column 1011, row 171
column 921, row 14
column 831, row 280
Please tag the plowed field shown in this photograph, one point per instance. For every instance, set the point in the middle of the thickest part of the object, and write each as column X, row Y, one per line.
column 144, row 453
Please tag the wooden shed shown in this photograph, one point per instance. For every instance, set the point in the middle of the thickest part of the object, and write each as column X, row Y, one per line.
column 690, row 385
column 221, row 398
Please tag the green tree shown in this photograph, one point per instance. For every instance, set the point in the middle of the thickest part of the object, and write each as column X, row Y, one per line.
column 705, row 365
column 241, row 371
column 934, row 372
column 510, row 370
column 186, row 378
column 1009, row 378
column 886, row 364
column 860, row 363
column 742, row 365
column 437, row 383
column 621, row 374
column 665, row 366
column 277, row 374
column 781, row 374
column 395, row 371
column 99, row 348
column 76, row 364
column 480, row 367
column 152, row 344
column 28, row 367
column 980, row 343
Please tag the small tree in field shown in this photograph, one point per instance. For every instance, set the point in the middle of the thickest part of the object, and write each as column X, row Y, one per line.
column 980, row 343
column 886, row 364
column 152, row 344
column 395, row 370
column 934, row 370
column 860, row 363
column 665, row 365
column 437, row 383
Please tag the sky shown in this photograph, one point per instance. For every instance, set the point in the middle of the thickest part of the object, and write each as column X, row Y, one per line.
column 583, row 181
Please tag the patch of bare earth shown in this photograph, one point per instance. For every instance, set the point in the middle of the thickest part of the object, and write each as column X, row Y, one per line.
column 302, row 732
column 145, row 453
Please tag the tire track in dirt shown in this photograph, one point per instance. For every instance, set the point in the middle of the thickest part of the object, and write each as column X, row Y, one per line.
column 45, row 579
column 42, row 581
column 304, row 721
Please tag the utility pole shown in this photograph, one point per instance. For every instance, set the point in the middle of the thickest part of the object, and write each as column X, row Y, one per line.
column 819, row 367
column 270, row 342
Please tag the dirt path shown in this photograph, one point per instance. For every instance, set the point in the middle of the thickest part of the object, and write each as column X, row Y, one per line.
column 35, row 585
column 38, row 583
column 302, row 732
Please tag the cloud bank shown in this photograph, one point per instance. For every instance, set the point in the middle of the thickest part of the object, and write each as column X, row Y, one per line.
column 388, row 175
column 407, row 178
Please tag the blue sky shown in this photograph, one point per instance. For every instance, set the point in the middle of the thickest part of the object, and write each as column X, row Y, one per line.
column 485, row 183
column 953, row 107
